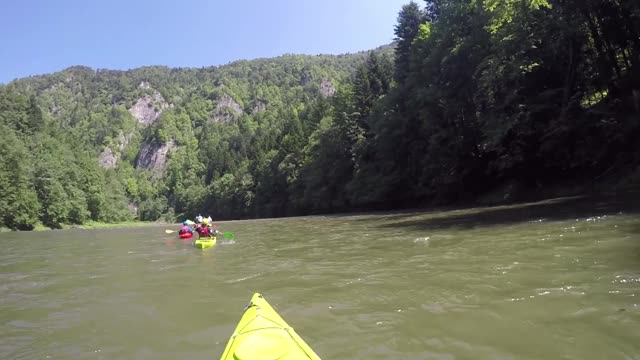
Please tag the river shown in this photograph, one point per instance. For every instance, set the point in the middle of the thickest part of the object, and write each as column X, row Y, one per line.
column 557, row 279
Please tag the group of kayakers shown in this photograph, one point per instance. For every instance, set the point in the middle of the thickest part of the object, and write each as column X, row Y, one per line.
column 203, row 226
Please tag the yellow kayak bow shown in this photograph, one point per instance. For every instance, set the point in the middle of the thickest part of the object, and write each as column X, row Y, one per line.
column 262, row 334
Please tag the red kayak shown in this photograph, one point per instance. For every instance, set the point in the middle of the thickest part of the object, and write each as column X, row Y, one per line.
column 186, row 235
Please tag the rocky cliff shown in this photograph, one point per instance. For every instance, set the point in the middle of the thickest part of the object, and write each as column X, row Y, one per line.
column 109, row 157
column 149, row 108
column 226, row 109
column 154, row 156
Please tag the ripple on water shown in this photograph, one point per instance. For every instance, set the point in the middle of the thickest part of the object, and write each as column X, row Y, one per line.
column 244, row 278
column 422, row 240
column 626, row 279
column 357, row 295
column 23, row 324
column 20, row 347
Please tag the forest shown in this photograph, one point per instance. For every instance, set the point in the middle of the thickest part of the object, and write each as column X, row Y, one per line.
column 473, row 98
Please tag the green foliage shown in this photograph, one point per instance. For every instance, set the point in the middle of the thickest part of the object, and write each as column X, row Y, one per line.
column 410, row 19
column 505, row 11
column 19, row 206
column 424, row 32
column 497, row 91
column 471, row 95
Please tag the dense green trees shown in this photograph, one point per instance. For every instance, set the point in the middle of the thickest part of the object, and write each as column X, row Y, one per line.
column 497, row 91
column 474, row 95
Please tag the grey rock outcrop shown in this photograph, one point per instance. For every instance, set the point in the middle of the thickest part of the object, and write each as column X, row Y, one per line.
column 154, row 156
column 148, row 108
column 258, row 106
column 326, row 88
column 226, row 109
column 107, row 159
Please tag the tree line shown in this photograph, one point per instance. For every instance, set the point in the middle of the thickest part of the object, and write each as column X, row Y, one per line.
column 473, row 95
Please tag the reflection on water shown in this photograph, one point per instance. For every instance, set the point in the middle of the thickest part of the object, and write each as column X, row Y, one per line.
column 555, row 279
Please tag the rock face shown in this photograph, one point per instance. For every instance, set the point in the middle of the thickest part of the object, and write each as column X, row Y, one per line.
column 225, row 110
column 326, row 88
column 259, row 106
column 107, row 159
column 154, row 156
column 148, row 108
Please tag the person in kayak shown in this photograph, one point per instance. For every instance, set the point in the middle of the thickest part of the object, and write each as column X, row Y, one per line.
column 204, row 231
column 199, row 219
column 185, row 228
column 208, row 228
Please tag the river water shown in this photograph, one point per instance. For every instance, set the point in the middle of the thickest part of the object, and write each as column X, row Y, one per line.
column 558, row 279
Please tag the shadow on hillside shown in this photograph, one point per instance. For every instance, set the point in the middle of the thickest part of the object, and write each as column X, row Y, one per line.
column 548, row 210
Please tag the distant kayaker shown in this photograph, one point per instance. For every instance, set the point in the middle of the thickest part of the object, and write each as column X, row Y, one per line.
column 185, row 228
column 206, row 229
column 203, row 229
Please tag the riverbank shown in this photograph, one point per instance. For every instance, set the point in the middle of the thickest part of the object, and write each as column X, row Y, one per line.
column 102, row 225
column 95, row 225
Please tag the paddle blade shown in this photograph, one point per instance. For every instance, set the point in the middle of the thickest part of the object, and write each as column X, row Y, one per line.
column 169, row 231
column 228, row 236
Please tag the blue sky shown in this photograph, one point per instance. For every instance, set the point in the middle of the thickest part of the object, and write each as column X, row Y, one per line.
column 43, row 36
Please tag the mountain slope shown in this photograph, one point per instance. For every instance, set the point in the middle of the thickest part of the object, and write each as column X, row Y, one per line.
column 158, row 139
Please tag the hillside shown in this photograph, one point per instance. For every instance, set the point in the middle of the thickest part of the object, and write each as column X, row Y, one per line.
column 154, row 141
column 497, row 101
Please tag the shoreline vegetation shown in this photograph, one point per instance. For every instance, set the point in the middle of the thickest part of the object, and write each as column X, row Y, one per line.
column 94, row 225
column 621, row 197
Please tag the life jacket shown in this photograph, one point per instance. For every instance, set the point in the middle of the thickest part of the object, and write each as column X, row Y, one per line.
column 184, row 229
column 203, row 231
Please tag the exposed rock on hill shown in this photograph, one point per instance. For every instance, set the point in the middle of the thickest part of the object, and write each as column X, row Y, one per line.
column 107, row 159
column 148, row 108
column 259, row 106
column 326, row 88
column 154, row 156
column 226, row 109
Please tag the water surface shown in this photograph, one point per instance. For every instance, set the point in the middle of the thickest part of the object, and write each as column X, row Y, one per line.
column 558, row 279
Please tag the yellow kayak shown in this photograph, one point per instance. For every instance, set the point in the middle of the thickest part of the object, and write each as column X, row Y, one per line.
column 262, row 334
column 205, row 243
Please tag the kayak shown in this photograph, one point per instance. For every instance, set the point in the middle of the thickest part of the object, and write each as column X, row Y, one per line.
column 205, row 243
column 187, row 235
column 262, row 334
